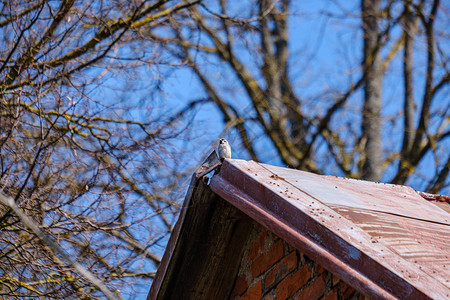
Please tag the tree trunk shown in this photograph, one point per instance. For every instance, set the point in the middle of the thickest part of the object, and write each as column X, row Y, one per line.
column 408, row 105
column 371, row 119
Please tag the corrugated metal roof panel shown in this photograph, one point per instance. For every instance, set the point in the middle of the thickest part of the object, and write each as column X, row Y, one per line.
column 383, row 239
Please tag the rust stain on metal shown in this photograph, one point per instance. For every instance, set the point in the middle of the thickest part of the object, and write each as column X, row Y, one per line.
column 434, row 197
column 276, row 177
column 385, row 240
column 388, row 198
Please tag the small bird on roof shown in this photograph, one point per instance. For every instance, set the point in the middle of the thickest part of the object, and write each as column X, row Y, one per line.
column 224, row 149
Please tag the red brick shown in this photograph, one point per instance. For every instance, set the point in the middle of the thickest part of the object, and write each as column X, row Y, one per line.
column 313, row 291
column 275, row 237
column 302, row 258
column 346, row 290
column 266, row 260
column 318, row 269
column 332, row 295
column 291, row 248
column 335, row 280
column 253, row 293
column 281, row 270
column 270, row 296
column 239, row 286
column 293, row 283
column 255, row 249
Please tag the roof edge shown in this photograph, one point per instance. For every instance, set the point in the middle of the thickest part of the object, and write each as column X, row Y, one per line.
column 239, row 183
column 248, row 205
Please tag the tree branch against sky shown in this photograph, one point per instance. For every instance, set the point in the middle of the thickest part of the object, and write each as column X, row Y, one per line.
column 107, row 106
column 326, row 125
column 93, row 168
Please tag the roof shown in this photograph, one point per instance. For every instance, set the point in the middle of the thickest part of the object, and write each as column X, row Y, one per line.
column 385, row 240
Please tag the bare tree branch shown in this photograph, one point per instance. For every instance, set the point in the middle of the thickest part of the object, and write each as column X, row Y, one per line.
column 8, row 201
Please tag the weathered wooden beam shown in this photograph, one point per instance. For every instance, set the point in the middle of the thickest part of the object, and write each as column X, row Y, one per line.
column 205, row 261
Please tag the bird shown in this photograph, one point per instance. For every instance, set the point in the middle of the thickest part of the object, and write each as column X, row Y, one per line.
column 224, row 149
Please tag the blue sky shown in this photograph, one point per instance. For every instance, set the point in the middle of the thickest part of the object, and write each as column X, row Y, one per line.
column 325, row 55
column 326, row 50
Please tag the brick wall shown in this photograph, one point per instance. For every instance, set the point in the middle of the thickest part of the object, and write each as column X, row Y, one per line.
column 272, row 269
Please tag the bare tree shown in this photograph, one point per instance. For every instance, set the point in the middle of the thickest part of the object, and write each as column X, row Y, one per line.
column 92, row 166
column 255, row 87
column 89, row 156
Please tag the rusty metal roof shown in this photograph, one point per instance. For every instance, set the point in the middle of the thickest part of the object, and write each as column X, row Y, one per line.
column 385, row 240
